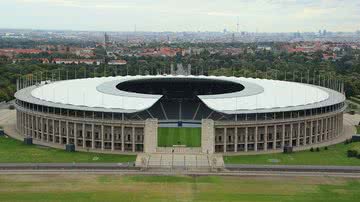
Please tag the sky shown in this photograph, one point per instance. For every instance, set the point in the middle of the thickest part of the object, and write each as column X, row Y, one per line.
column 182, row 15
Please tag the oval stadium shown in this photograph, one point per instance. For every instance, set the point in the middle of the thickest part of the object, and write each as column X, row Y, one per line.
column 168, row 113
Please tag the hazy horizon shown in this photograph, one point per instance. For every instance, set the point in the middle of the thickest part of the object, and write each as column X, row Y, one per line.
column 272, row 16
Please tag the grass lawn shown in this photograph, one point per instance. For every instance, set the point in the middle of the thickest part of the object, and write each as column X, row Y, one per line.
column 12, row 151
column 92, row 187
column 191, row 137
column 335, row 155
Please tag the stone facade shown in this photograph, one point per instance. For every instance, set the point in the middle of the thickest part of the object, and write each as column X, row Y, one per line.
column 276, row 134
column 102, row 132
column 85, row 133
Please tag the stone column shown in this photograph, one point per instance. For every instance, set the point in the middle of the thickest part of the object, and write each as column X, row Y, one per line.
column 298, row 135
column 316, row 131
column 122, row 138
column 305, row 127
column 283, row 136
column 32, row 126
column 265, row 138
column 275, row 136
column 22, row 122
column 75, row 135
column 92, row 136
column 150, row 135
column 246, row 139
column 83, row 135
column 323, row 138
column 59, row 131
column 291, row 135
column 41, row 128
column 102, row 137
column 112, row 138
column 67, row 132
column 133, row 139
column 35, row 128
column 17, row 120
column 334, row 126
column 47, row 129
column 236, row 140
column 225, row 139
column 311, row 132
column 26, row 124
column 256, row 138
column 326, row 129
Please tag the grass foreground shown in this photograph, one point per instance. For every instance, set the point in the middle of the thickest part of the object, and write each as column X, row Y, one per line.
column 335, row 155
column 92, row 187
column 14, row 151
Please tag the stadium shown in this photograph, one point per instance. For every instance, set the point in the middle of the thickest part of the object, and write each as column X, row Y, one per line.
column 177, row 113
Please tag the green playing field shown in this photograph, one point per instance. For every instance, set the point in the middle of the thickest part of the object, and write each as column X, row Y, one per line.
column 167, row 137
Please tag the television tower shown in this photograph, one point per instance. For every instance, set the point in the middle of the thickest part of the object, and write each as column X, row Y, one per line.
column 237, row 25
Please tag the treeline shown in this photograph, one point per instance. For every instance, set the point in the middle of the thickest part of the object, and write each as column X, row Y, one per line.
column 28, row 43
column 262, row 64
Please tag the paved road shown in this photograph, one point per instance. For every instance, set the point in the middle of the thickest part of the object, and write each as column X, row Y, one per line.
column 190, row 173
column 293, row 168
column 128, row 167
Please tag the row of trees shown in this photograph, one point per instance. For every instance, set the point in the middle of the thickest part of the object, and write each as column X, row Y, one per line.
column 262, row 64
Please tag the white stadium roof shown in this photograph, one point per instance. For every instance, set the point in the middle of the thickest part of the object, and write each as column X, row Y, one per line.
column 259, row 95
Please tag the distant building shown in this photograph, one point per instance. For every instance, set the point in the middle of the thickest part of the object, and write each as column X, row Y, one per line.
column 268, row 48
column 117, row 62
column 12, row 52
column 42, row 60
column 77, row 61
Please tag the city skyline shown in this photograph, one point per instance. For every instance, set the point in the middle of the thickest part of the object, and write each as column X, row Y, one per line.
column 160, row 15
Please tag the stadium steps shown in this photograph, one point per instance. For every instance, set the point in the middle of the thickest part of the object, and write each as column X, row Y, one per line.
column 179, row 161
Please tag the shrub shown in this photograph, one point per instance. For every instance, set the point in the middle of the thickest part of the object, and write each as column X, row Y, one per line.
column 352, row 153
column 317, row 149
column 311, row 149
column 326, row 148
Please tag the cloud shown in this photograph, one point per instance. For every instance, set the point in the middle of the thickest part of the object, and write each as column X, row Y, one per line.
column 105, row 4
column 175, row 15
column 310, row 13
column 222, row 14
